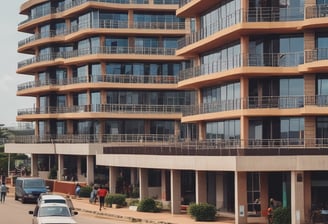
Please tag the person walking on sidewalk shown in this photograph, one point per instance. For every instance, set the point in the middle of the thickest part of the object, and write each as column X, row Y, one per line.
column 3, row 192
column 102, row 192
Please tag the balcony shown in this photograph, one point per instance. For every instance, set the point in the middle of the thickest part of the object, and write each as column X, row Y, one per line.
column 105, row 108
column 288, row 59
column 108, row 78
column 105, row 24
column 264, row 102
column 316, row 11
column 72, row 4
column 252, row 15
column 99, row 50
column 168, row 144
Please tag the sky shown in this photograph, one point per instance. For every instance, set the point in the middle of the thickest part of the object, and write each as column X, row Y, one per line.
column 9, row 79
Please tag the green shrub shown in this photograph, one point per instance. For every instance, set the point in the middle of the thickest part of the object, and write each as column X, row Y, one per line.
column 147, row 205
column 202, row 212
column 118, row 199
column 282, row 216
column 85, row 191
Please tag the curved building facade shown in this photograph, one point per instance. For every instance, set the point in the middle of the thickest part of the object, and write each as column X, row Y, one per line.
column 223, row 102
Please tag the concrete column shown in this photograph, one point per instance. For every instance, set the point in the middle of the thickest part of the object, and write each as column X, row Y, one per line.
column 134, row 177
column 90, row 169
column 113, row 174
column 307, row 195
column 297, row 197
column 264, row 191
column 201, row 187
column 143, row 180
column 240, row 197
column 78, row 166
column 60, row 171
column 175, row 191
column 219, row 191
column 163, row 186
column 34, row 165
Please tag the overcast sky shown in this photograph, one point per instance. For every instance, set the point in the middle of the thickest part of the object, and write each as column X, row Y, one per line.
column 9, row 79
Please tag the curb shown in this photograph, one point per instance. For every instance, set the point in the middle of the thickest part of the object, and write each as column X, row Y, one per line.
column 123, row 218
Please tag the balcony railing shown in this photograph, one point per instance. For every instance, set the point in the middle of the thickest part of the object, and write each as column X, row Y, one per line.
column 168, row 144
column 288, row 59
column 99, row 50
column 109, row 78
column 263, row 102
column 108, row 108
column 281, row 102
column 72, row 4
column 317, row 11
column 105, row 24
column 183, row 2
column 263, row 14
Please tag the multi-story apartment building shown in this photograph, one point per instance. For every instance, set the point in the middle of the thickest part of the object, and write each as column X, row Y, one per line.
column 237, row 113
column 259, row 69
column 105, row 74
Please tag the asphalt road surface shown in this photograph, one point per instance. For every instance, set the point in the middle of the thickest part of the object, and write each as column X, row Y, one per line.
column 15, row 212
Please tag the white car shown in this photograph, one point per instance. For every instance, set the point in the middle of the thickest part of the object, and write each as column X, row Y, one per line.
column 52, row 213
column 55, row 198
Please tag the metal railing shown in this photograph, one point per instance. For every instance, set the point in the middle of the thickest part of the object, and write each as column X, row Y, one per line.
column 72, row 4
column 109, row 108
column 105, row 24
column 108, row 78
column 316, row 11
column 169, row 144
column 98, row 50
column 288, row 59
column 263, row 14
column 263, row 102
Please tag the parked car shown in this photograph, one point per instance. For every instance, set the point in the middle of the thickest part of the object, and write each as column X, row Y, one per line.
column 29, row 188
column 55, row 198
column 52, row 213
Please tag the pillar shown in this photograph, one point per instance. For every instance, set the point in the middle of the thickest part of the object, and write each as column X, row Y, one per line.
column 78, row 166
column 34, row 165
column 219, row 191
column 90, row 169
column 240, row 197
column 297, row 197
column 113, row 174
column 264, row 191
column 163, row 185
column 60, row 172
column 175, row 191
column 307, row 195
column 143, row 180
column 201, row 187
column 134, row 177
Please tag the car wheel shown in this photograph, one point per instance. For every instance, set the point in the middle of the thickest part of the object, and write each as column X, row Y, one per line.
column 23, row 201
column 16, row 198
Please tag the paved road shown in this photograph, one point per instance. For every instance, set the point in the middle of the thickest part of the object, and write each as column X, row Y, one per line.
column 15, row 212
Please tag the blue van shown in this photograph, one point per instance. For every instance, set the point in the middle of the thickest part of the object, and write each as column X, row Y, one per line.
column 29, row 188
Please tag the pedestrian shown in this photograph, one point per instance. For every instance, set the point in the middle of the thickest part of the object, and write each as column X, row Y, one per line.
column 93, row 195
column 77, row 190
column 3, row 192
column 102, row 192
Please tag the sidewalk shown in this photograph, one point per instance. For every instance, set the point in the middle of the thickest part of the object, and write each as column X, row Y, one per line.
column 82, row 205
column 164, row 217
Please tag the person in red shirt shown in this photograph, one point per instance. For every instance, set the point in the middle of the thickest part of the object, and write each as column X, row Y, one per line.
column 102, row 192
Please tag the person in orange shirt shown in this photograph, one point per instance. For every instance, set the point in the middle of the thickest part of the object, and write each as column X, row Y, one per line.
column 102, row 192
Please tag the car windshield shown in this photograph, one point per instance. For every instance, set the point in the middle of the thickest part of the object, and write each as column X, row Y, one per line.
column 53, row 211
column 54, row 201
column 33, row 183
